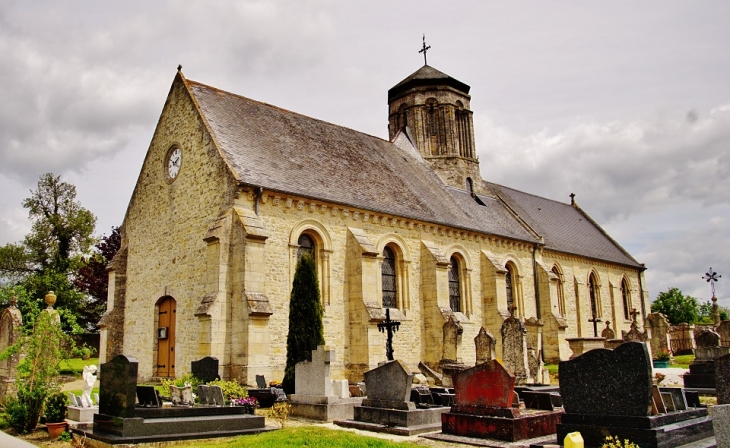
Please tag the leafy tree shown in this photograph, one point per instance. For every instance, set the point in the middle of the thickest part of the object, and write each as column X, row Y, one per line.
column 50, row 254
column 707, row 316
column 676, row 306
column 306, row 331
column 93, row 279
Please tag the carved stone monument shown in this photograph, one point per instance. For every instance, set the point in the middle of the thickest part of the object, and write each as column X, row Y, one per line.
column 658, row 326
column 388, row 407
column 11, row 325
column 486, row 345
column 610, row 392
column 514, row 349
column 314, row 396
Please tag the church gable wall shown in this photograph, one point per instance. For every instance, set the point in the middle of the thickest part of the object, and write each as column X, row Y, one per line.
column 165, row 226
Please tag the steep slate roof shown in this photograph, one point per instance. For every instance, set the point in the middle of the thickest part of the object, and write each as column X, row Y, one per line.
column 291, row 153
column 283, row 151
column 565, row 228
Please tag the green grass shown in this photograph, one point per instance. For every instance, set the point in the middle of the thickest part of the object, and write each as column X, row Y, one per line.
column 75, row 366
column 682, row 361
column 300, row 436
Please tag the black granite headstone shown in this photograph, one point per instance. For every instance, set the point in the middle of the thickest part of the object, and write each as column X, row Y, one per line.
column 147, row 396
column 680, row 403
column 608, row 382
column 537, row 400
column 421, row 395
column 692, row 398
column 261, row 382
column 722, row 379
column 206, row 369
column 118, row 386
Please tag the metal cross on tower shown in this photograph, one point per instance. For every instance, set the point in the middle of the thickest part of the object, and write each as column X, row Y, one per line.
column 388, row 327
column 711, row 278
column 424, row 49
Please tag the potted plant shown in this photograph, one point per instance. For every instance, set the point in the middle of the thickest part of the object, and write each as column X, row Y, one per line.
column 55, row 412
column 662, row 359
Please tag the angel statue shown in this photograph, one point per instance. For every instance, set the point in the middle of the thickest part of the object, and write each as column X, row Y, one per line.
column 89, row 376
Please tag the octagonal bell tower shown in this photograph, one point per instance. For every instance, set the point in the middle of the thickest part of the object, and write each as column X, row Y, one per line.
column 434, row 108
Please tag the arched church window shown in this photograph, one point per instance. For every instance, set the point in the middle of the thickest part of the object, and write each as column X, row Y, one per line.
column 454, row 287
column 508, row 282
column 625, row 298
column 561, row 294
column 306, row 246
column 388, row 274
column 593, row 293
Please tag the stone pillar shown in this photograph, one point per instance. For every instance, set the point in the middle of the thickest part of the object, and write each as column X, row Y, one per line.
column 11, row 325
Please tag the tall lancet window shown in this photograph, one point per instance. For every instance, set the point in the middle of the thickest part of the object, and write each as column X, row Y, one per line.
column 306, row 246
column 388, row 275
column 454, row 286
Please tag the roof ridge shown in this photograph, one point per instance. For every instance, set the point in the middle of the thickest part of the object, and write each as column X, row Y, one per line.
column 263, row 103
column 529, row 194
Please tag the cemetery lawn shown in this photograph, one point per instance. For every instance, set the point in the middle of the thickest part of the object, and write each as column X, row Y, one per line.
column 75, row 366
column 682, row 361
column 300, row 436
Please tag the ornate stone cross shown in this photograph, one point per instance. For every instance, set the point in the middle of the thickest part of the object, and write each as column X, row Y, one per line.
column 389, row 327
column 424, row 49
column 633, row 314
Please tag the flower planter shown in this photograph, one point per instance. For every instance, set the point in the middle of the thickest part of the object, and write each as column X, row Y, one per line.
column 661, row 363
column 55, row 429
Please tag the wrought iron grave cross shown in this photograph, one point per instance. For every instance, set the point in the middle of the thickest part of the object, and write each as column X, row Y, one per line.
column 424, row 49
column 389, row 327
column 712, row 277
column 595, row 320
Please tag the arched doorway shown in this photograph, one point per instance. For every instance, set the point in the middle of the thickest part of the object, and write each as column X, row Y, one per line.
column 166, row 309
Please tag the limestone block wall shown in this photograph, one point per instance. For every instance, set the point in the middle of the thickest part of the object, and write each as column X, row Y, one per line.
column 165, row 227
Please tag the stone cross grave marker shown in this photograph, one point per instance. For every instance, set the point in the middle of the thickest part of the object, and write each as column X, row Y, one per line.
column 488, row 384
column 118, row 386
column 389, row 327
column 485, row 344
column 634, row 334
column 389, row 383
column 514, row 349
column 205, row 369
column 313, row 377
column 608, row 382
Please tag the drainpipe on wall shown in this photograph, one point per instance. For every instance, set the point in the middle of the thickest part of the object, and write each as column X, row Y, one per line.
column 537, row 283
column 641, row 292
column 259, row 193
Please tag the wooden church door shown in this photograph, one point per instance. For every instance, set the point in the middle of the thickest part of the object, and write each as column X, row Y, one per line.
column 166, row 338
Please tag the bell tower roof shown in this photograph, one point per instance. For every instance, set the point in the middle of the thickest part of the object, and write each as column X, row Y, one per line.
column 426, row 76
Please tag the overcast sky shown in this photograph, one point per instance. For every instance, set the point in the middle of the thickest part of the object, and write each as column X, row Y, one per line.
column 626, row 104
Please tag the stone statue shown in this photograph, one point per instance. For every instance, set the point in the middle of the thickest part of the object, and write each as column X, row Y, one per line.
column 89, row 376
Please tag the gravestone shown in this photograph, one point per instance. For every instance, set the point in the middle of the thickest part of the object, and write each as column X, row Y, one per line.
column 724, row 331
column 210, row 395
column 485, row 408
column 147, row 397
column 387, row 406
column 607, row 332
column 486, row 345
column 658, row 325
column 634, row 334
column 722, row 379
column 452, row 337
column 11, row 325
column 514, row 349
column 182, row 395
column 205, row 369
column 315, row 397
column 610, row 392
column 118, row 386
column 721, row 423
column 261, row 382
column 682, row 338
column 702, row 369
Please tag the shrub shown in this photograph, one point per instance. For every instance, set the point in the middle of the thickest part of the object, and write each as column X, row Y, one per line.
column 615, row 442
column 231, row 389
column 280, row 412
column 55, row 410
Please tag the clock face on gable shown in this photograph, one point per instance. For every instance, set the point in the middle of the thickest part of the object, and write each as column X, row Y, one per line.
column 174, row 162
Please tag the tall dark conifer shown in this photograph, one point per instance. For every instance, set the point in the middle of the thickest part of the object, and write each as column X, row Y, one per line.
column 306, row 331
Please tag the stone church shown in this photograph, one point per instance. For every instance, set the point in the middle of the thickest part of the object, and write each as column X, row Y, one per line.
column 232, row 191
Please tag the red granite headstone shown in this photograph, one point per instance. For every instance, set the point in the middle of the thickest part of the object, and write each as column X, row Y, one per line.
column 488, row 384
